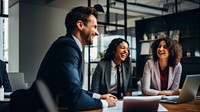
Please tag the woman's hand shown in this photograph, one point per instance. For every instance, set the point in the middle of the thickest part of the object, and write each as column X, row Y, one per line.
column 176, row 92
column 169, row 93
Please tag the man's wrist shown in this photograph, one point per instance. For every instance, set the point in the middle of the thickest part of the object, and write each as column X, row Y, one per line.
column 96, row 96
column 104, row 103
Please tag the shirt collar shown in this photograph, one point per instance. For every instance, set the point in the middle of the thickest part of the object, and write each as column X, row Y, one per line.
column 78, row 43
column 113, row 64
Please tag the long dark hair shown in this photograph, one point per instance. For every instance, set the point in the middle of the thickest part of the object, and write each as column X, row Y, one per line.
column 109, row 54
column 175, row 50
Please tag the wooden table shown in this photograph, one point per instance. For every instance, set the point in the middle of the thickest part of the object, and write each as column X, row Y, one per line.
column 193, row 106
column 6, row 100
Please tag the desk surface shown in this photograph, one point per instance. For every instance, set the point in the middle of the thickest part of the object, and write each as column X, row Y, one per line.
column 5, row 100
column 192, row 106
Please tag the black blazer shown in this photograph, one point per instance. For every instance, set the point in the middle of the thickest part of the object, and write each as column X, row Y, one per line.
column 61, row 70
column 102, row 77
column 4, row 80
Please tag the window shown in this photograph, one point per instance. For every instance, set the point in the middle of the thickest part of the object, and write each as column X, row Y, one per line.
column 99, row 46
column 4, row 30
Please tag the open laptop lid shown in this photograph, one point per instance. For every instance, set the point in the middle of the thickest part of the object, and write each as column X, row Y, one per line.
column 188, row 91
column 141, row 103
column 190, row 88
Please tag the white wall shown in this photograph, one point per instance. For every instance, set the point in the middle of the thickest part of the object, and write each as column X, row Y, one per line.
column 13, row 42
column 85, row 76
column 32, row 29
column 1, row 38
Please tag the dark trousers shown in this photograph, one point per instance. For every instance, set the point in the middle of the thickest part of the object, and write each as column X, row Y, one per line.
column 4, row 107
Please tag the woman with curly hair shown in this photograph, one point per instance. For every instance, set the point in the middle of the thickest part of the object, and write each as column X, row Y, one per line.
column 105, row 79
column 162, row 74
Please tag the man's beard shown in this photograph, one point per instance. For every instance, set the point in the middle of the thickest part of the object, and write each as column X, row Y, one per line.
column 88, row 40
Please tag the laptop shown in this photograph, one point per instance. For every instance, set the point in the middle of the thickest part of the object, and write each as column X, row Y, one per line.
column 17, row 80
column 141, row 103
column 188, row 92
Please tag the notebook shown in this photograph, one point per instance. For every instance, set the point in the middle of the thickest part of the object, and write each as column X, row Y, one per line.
column 141, row 103
column 188, row 92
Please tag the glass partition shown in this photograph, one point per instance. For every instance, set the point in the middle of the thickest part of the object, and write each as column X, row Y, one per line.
column 4, row 30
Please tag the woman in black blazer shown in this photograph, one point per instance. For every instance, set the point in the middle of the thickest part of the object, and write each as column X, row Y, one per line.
column 104, row 79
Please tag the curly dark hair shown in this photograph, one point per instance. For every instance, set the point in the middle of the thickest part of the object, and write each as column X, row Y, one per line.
column 175, row 50
column 109, row 53
column 79, row 13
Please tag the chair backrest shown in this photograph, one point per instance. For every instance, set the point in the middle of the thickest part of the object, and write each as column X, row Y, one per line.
column 45, row 95
column 17, row 80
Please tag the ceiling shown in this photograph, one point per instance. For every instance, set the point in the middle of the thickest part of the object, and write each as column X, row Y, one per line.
column 117, row 5
column 136, row 9
column 167, row 4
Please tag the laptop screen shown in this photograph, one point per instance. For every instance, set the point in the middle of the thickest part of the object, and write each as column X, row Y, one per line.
column 141, row 103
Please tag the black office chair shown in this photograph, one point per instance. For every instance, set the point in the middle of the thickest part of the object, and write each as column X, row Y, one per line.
column 49, row 104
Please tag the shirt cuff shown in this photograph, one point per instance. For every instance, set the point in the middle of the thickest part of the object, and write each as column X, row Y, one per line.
column 96, row 96
column 104, row 103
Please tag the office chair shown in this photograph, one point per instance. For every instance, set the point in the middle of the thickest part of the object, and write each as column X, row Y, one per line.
column 46, row 97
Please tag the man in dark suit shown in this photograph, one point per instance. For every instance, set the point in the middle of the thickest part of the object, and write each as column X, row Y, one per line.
column 61, row 68
column 4, row 80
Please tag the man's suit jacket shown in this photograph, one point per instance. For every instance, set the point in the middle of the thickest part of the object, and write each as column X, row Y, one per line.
column 4, row 80
column 102, row 77
column 151, row 78
column 61, row 70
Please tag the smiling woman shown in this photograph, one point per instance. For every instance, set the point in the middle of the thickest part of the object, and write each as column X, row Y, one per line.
column 161, row 75
column 105, row 79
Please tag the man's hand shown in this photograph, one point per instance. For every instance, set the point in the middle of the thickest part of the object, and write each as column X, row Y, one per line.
column 105, row 96
column 111, row 101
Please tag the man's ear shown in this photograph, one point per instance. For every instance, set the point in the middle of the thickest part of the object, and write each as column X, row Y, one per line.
column 79, row 25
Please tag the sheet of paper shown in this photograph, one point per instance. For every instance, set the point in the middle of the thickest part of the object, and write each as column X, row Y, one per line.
column 119, row 108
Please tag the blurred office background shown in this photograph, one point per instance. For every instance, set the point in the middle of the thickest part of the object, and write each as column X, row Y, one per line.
column 28, row 28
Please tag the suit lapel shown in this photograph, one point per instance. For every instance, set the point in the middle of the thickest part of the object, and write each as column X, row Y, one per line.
column 170, row 77
column 124, row 76
column 107, row 74
column 157, row 75
column 73, row 43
